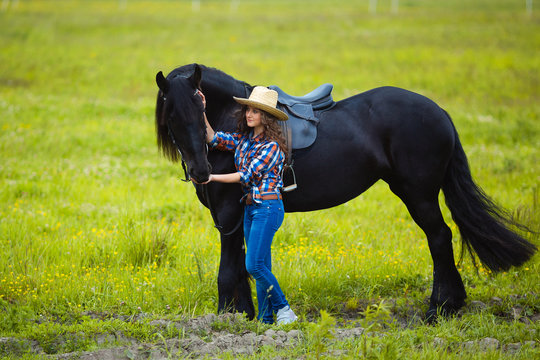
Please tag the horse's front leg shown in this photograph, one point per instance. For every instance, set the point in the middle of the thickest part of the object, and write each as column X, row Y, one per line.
column 234, row 290
column 233, row 280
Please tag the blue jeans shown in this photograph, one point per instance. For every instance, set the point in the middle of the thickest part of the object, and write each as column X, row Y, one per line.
column 261, row 221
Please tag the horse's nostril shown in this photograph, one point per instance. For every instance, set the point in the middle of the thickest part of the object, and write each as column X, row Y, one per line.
column 200, row 175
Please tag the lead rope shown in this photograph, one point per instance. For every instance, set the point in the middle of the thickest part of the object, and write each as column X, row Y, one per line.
column 206, row 195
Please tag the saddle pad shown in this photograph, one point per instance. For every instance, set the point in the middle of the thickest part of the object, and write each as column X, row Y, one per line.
column 304, row 132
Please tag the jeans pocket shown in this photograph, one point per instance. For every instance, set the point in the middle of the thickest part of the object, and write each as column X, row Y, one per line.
column 260, row 210
column 272, row 212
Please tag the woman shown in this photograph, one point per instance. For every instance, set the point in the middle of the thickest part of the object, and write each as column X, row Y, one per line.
column 259, row 158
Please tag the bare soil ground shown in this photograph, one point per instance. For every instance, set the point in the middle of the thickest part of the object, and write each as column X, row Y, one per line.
column 212, row 335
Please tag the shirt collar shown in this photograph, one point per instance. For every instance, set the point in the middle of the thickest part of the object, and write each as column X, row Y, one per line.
column 259, row 138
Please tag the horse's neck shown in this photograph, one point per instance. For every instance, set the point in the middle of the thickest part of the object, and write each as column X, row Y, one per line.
column 221, row 116
column 219, row 88
column 221, row 85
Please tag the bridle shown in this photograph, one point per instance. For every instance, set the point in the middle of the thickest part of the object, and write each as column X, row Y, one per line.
column 187, row 178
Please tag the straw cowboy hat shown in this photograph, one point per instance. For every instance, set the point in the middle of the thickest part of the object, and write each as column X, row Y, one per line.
column 264, row 99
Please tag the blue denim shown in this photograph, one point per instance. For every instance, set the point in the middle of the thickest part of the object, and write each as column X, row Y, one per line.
column 261, row 221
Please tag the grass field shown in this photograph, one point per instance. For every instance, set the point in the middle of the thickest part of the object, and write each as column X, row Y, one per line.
column 93, row 221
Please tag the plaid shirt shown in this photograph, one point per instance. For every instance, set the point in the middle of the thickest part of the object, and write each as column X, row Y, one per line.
column 258, row 161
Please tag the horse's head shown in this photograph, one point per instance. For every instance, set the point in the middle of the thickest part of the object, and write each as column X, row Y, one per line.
column 180, row 127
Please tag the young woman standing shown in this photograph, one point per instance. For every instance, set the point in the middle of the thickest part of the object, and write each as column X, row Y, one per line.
column 258, row 155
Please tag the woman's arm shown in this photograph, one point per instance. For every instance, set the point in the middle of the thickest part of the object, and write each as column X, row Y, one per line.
column 226, row 178
column 209, row 130
column 222, row 178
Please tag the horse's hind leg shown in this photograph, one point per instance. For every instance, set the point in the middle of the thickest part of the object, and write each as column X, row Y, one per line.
column 448, row 293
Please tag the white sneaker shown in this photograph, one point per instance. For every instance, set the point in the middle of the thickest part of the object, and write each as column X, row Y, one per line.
column 286, row 316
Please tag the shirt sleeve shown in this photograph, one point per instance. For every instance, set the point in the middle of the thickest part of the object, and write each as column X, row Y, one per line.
column 265, row 159
column 225, row 141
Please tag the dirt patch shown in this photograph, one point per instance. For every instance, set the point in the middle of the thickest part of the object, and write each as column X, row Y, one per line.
column 202, row 338
column 212, row 335
column 209, row 335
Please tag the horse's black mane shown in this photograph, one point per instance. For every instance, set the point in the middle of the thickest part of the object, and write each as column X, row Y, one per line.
column 211, row 76
column 185, row 71
column 162, row 131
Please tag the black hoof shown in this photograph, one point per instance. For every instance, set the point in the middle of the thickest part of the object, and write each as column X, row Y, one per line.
column 249, row 313
column 434, row 312
column 432, row 316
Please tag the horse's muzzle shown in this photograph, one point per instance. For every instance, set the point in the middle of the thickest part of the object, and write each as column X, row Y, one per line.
column 201, row 175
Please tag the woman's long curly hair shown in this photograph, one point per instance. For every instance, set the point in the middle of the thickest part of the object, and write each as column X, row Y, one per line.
column 272, row 129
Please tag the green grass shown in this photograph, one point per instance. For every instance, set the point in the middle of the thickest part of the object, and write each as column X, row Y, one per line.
column 93, row 220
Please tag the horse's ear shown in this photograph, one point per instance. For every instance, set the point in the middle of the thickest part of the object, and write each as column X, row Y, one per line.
column 196, row 77
column 162, row 83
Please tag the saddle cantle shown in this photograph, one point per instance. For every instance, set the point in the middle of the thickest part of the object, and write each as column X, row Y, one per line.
column 303, row 112
column 321, row 97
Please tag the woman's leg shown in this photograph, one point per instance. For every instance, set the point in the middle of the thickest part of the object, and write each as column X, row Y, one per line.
column 264, row 220
column 265, row 313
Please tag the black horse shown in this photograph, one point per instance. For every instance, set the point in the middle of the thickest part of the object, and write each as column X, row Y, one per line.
column 386, row 133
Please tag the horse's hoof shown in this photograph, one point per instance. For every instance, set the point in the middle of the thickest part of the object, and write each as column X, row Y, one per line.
column 434, row 312
column 431, row 316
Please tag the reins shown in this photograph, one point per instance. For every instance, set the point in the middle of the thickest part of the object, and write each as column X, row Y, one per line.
column 214, row 217
column 186, row 174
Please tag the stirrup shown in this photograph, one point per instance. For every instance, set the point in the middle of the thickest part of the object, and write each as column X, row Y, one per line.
column 293, row 186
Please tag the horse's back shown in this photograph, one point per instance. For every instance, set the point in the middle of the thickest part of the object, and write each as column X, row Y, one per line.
column 410, row 133
column 393, row 113
column 393, row 102
column 385, row 133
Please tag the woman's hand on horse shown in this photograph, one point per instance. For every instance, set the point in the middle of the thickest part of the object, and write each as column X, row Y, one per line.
column 203, row 98
column 202, row 183
column 231, row 178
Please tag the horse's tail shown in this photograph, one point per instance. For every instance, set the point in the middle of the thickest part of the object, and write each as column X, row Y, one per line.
column 484, row 226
